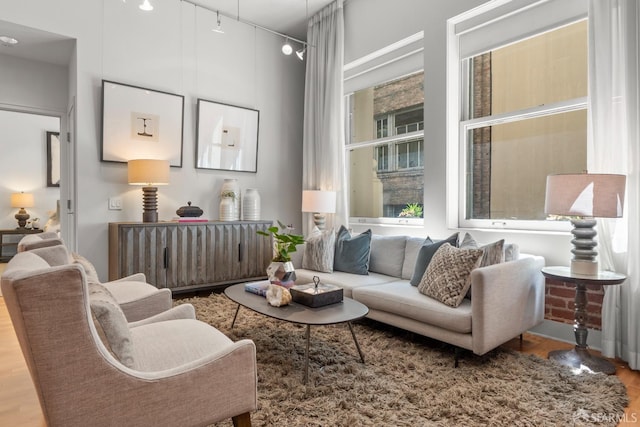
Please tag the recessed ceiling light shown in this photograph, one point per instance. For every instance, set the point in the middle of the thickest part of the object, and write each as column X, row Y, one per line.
column 8, row 40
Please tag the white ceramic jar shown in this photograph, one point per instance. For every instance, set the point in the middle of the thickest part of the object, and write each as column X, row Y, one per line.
column 251, row 205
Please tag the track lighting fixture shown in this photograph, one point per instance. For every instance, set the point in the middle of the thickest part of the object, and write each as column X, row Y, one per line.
column 218, row 29
column 286, row 47
column 146, row 6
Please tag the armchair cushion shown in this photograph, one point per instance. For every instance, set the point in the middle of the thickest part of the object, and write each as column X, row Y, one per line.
column 112, row 322
column 448, row 276
column 54, row 255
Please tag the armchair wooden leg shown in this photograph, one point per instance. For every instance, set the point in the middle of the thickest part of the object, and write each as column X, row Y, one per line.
column 242, row 420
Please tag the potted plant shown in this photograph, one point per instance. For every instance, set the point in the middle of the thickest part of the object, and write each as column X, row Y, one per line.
column 281, row 270
column 411, row 210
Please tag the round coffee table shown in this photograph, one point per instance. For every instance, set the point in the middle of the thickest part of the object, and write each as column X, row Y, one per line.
column 343, row 312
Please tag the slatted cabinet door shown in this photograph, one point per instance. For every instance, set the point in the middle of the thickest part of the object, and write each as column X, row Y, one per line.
column 190, row 256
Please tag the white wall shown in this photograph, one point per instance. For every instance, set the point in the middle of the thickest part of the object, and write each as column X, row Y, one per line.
column 395, row 21
column 172, row 49
column 23, row 165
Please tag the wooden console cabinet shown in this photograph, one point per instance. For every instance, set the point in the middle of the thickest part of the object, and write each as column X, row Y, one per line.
column 190, row 256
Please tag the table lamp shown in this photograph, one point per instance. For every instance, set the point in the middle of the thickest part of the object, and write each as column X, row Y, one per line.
column 320, row 203
column 22, row 200
column 585, row 197
column 149, row 173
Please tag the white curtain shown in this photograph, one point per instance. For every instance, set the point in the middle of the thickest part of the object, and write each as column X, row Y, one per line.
column 323, row 136
column 614, row 139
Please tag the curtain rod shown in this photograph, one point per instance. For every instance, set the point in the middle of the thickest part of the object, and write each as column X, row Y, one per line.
column 237, row 18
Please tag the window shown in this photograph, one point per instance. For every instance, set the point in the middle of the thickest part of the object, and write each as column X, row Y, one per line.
column 522, row 111
column 385, row 150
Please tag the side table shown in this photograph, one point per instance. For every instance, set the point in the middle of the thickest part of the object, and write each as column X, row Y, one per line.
column 579, row 355
column 13, row 231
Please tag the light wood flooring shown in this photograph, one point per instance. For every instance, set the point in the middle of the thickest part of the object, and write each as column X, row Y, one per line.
column 19, row 405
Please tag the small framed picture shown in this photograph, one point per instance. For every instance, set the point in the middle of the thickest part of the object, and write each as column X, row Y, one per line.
column 139, row 123
column 226, row 137
column 53, row 159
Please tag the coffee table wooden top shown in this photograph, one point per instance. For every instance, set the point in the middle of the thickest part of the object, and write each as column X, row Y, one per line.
column 341, row 312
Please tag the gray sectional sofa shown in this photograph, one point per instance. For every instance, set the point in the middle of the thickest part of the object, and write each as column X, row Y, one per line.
column 506, row 300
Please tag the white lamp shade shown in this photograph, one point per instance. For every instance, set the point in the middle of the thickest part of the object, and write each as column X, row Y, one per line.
column 585, row 194
column 148, row 172
column 21, row 200
column 319, row 201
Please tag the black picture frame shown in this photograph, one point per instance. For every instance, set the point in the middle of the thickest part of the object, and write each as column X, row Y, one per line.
column 226, row 137
column 53, row 159
column 141, row 123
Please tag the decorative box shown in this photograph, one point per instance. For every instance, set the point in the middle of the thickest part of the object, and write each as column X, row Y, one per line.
column 313, row 295
column 189, row 211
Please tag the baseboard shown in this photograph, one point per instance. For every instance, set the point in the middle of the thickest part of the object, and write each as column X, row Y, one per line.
column 564, row 332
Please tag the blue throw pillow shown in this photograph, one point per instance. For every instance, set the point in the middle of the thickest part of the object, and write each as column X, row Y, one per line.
column 352, row 252
column 426, row 253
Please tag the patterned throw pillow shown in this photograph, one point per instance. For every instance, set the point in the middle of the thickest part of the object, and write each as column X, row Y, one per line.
column 319, row 250
column 113, row 323
column 448, row 275
column 493, row 253
column 426, row 254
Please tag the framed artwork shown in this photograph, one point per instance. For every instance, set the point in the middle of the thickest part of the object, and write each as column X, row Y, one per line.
column 226, row 137
column 53, row 159
column 139, row 123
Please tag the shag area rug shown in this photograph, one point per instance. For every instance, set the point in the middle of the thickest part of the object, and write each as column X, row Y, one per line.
column 407, row 380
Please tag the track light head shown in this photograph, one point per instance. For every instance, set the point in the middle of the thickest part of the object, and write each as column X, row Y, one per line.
column 146, row 6
column 300, row 53
column 286, row 47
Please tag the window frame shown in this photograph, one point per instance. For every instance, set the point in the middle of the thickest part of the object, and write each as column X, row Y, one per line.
column 459, row 125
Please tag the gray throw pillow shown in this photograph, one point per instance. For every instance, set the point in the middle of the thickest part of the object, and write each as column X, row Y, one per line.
column 352, row 252
column 319, row 250
column 113, row 323
column 426, row 253
column 448, row 276
column 89, row 269
column 492, row 253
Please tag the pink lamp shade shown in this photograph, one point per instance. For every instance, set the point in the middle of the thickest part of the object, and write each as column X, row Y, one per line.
column 585, row 195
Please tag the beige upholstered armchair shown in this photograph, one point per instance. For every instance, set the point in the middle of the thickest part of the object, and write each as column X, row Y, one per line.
column 137, row 298
column 178, row 371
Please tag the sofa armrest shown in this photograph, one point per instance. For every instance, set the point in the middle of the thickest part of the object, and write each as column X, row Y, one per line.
column 507, row 300
column 183, row 311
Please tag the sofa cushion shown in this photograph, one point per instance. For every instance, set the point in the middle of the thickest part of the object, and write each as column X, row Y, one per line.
column 319, row 250
column 352, row 252
column 426, row 253
column 387, row 255
column 411, row 250
column 113, row 323
column 448, row 275
column 400, row 298
column 346, row 281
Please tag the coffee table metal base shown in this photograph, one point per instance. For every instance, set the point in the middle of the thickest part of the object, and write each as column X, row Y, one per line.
column 308, row 338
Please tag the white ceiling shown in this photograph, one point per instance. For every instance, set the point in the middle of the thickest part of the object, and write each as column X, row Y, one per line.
column 284, row 16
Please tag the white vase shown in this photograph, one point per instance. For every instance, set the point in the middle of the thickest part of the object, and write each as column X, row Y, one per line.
column 227, row 209
column 231, row 185
column 251, row 205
